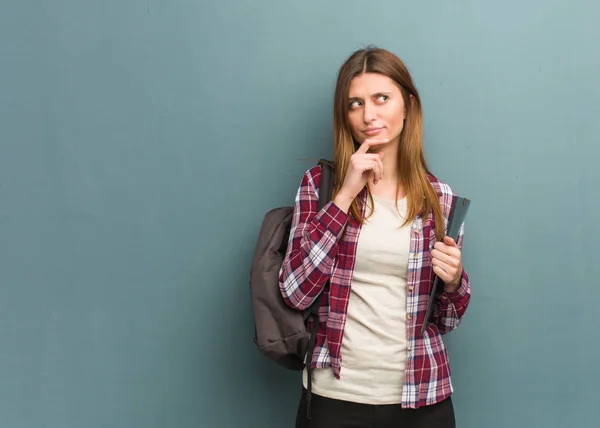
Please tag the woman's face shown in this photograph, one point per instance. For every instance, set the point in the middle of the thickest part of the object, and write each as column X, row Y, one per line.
column 376, row 108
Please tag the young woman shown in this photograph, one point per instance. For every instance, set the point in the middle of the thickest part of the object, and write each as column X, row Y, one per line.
column 370, row 256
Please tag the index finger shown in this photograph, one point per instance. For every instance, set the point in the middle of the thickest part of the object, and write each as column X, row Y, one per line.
column 450, row 241
column 369, row 142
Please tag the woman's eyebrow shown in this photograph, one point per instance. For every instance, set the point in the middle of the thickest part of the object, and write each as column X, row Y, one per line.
column 374, row 95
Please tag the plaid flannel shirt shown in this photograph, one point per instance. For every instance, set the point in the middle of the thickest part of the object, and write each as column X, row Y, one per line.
column 322, row 248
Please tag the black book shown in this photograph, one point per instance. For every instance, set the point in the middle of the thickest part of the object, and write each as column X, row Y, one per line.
column 458, row 213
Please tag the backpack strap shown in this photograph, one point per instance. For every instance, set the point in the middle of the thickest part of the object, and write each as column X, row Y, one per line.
column 325, row 194
column 326, row 185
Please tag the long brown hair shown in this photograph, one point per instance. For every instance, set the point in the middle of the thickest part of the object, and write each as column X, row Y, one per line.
column 412, row 166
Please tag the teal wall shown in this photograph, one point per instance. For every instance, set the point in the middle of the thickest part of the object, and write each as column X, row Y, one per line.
column 141, row 142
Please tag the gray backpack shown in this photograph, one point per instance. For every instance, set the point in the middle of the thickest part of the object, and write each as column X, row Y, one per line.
column 281, row 332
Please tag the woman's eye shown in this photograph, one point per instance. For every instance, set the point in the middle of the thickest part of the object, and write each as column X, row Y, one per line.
column 355, row 104
column 382, row 98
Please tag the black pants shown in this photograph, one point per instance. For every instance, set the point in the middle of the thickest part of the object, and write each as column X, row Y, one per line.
column 329, row 413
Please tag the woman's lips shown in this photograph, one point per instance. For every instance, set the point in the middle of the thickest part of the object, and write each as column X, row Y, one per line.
column 372, row 131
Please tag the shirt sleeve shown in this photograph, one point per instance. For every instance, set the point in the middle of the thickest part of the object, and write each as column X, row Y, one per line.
column 451, row 307
column 312, row 246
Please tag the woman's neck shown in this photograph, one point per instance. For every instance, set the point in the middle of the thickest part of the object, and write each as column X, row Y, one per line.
column 387, row 186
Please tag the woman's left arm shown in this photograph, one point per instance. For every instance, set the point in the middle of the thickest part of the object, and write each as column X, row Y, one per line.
column 454, row 299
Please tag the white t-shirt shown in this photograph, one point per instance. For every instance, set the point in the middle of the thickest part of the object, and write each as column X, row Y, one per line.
column 374, row 341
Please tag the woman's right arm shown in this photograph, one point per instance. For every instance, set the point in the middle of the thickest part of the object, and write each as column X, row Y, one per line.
column 312, row 247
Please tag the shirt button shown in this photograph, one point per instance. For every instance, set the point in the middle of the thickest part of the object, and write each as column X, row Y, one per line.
column 409, row 316
column 410, row 288
column 409, row 348
column 415, row 255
